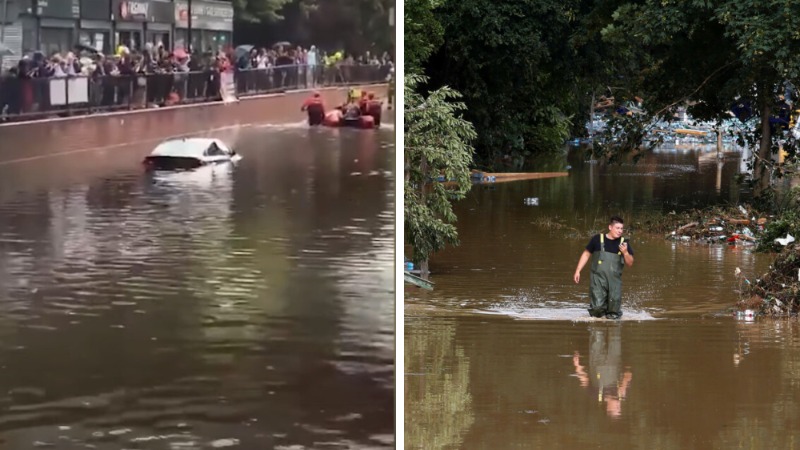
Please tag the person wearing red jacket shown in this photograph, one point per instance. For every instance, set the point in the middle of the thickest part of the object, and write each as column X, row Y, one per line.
column 315, row 108
column 363, row 103
column 374, row 108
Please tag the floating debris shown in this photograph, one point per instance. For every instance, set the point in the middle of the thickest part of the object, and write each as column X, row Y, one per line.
column 785, row 241
column 532, row 201
column 221, row 443
column 715, row 226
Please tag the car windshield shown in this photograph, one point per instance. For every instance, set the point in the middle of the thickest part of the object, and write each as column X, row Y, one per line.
column 178, row 149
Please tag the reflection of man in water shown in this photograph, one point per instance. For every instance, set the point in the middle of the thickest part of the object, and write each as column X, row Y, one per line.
column 605, row 364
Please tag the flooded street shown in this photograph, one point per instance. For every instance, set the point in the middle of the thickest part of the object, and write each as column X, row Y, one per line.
column 244, row 307
column 502, row 353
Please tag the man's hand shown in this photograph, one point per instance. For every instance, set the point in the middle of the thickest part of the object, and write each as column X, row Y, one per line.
column 581, row 262
column 623, row 248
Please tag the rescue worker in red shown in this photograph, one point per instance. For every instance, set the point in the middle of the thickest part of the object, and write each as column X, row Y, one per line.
column 315, row 108
column 374, row 107
column 363, row 104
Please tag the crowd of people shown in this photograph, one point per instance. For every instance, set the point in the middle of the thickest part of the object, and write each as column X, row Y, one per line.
column 155, row 76
column 264, row 69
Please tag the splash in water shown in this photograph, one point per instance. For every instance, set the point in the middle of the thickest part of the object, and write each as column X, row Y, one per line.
column 561, row 311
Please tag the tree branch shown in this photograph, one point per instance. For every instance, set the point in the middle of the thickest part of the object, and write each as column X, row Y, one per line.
column 700, row 86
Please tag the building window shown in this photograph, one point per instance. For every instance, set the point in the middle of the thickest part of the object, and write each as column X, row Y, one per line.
column 96, row 39
column 159, row 38
column 130, row 39
column 55, row 40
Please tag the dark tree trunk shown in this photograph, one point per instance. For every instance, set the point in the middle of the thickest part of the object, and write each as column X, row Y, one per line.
column 761, row 172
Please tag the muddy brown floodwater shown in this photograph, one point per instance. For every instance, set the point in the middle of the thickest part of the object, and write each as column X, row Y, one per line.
column 245, row 307
column 502, row 354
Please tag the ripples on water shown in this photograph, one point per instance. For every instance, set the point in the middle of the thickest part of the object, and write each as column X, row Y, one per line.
column 249, row 307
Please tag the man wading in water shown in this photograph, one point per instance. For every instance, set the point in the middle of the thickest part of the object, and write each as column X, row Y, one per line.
column 610, row 254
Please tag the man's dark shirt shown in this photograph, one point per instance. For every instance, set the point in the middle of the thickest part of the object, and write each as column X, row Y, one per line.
column 284, row 60
column 611, row 245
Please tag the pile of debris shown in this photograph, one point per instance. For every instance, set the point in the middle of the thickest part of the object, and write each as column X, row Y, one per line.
column 777, row 292
column 734, row 226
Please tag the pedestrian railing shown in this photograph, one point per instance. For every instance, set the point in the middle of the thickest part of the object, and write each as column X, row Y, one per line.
column 23, row 99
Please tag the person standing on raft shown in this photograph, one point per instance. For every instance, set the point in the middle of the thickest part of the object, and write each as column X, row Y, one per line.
column 609, row 254
column 315, row 108
column 374, row 108
column 363, row 103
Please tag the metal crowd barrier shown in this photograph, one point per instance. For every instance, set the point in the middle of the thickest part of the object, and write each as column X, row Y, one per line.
column 23, row 99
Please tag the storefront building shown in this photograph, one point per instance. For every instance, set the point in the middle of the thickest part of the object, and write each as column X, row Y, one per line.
column 19, row 32
column 212, row 25
column 138, row 22
column 58, row 25
column 96, row 27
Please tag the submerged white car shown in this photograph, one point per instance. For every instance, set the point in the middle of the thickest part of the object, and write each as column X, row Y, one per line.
column 189, row 153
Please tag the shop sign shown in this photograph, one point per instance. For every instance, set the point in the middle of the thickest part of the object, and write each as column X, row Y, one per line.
column 59, row 9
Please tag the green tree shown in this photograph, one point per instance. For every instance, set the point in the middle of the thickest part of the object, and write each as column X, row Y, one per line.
column 258, row 11
column 355, row 25
column 597, row 67
column 423, row 34
column 437, row 143
column 513, row 62
column 706, row 55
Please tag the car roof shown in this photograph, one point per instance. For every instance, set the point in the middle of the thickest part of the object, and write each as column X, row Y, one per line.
column 187, row 147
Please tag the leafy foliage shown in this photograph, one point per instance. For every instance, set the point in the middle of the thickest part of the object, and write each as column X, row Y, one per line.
column 512, row 61
column 353, row 25
column 787, row 221
column 423, row 34
column 709, row 55
column 437, row 142
column 259, row 10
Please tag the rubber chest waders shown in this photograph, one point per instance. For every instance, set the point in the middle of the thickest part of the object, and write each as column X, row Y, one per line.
column 605, row 290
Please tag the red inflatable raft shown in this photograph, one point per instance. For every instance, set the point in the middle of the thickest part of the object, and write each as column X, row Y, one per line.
column 335, row 119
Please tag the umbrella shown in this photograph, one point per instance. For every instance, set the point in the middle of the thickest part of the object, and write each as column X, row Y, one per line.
column 4, row 50
column 282, row 44
column 242, row 51
column 85, row 48
column 179, row 53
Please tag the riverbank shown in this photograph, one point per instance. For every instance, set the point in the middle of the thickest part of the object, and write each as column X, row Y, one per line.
column 776, row 292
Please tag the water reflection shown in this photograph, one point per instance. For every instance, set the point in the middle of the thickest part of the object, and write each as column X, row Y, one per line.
column 438, row 409
column 605, row 371
column 672, row 176
column 248, row 305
